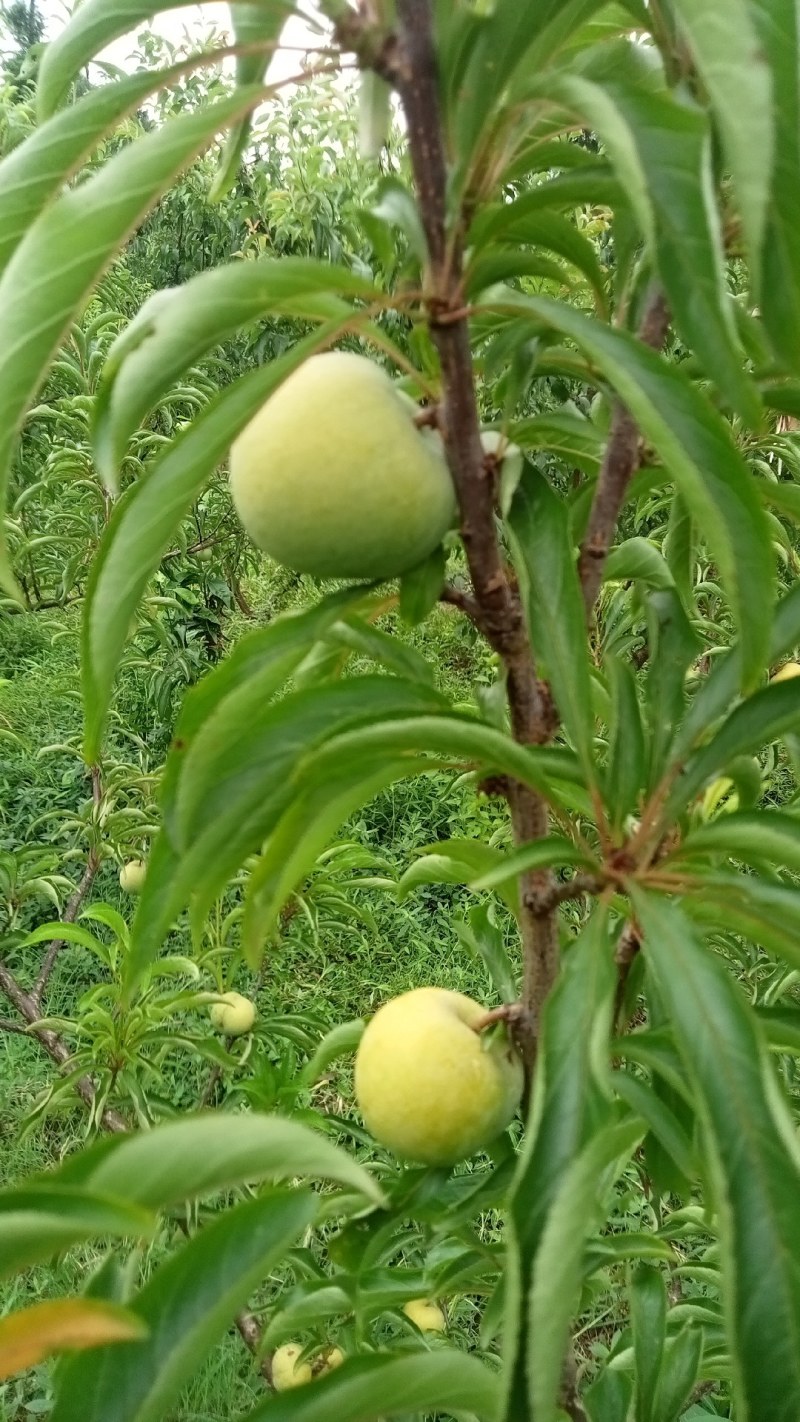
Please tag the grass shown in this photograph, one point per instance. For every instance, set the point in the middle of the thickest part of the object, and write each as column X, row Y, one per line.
column 326, row 964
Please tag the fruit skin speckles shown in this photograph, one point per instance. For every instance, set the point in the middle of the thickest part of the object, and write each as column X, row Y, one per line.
column 429, row 1086
column 286, row 1371
column 332, row 477
column 235, row 1014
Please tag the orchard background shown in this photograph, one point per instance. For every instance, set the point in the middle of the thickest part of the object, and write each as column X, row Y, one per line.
column 554, row 766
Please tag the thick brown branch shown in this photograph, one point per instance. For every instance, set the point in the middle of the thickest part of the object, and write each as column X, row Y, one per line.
column 620, row 462
column 499, row 611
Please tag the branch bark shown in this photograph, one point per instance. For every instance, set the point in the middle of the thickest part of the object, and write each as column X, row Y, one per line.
column 499, row 612
column 620, row 462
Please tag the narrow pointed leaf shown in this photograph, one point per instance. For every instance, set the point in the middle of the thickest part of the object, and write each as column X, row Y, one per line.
column 756, row 1174
column 37, row 1222
column 33, row 1334
column 252, row 25
column 698, row 450
column 187, row 1305
column 368, row 1389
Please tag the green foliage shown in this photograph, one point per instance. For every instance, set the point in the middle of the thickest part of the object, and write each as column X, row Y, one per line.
column 322, row 799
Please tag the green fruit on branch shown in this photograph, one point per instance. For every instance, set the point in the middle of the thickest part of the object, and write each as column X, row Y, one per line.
column 427, row 1316
column 429, row 1084
column 132, row 876
column 286, row 1370
column 332, row 477
column 235, row 1014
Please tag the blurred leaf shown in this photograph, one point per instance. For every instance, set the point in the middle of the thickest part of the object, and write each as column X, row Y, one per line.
column 38, row 1221
column 679, row 1374
column 648, row 1301
column 32, row 1334
column 367, row 1389
column 341, row 1041
column 188, row 1305
column 661, row 1121
column 483, row 939
column 608, row 1398
column 573, row 439
column 726, row 49
column 673, row 645
column 458, row 862
column 756, row 1172
column 538, row 525
column 768, row 837
column 539, row 854
column 638, row 559
column 202, row 1154
column 421, row 587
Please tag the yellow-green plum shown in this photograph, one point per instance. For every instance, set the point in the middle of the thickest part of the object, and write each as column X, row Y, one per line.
column 429, row 1085
column 132, row 876
column 427, row 1316
column 286, row 1370
column 332, row 477
column 787, row 672
column 330, row 1360
column 235, row 1014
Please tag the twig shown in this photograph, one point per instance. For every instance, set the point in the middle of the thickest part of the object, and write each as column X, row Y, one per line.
column 500, row 613
column 6, row 1025
column 457, row 597
column 620, row 462
column 71, row 911
column 627, row 949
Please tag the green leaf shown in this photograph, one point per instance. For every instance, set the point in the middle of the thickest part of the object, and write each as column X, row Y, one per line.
column 666, row 146
column 85, row 226
column 38, row 1221
column 89, row 30
column 778, row 31
column 698, row 450
column 756, row 1172
column 341, row 1041
column 726, row 49
column 673, row 646
column 539, row 854
column 548, row 231
column 682, row 1360
column 457, row 862
column 568, row 437
column 662, row 1122
column 304, row 830
column 579, row 1208
column 367, row 1389
column 252, row 25
column 637, row 559
column 714, row 698
column 34, row 171
column 609, row 1397
column 175, row 327
column 484, row 941
column 202, row 1154
column 188, row 1305
column 752, row 724
column 538, row 525
column 142, row 526
column 768, row 837
column 768, row 913
column 569, row 1105
column 627, row 753
column 649, row 1320
column 421, row 587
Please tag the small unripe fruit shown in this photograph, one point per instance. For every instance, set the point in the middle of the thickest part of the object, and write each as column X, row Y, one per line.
column 332, row 477
column 429, row 1085
column 235, row 1014
column 286, row 1371
column 132, row 876
column 786, row 672
column 427, row 1316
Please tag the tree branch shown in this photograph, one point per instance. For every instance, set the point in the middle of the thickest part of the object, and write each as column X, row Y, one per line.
column 500, row 614
column 620, row 462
